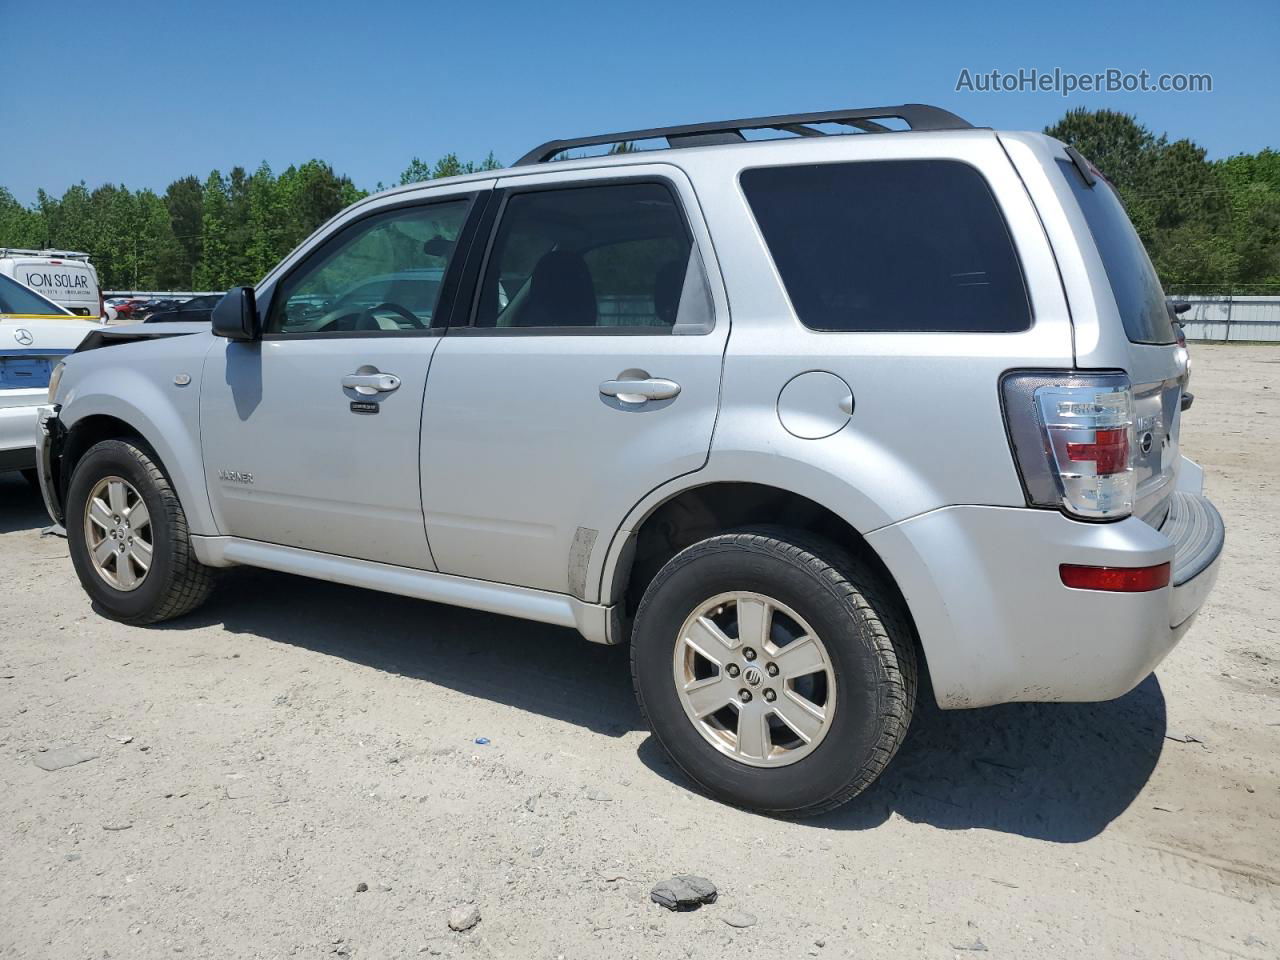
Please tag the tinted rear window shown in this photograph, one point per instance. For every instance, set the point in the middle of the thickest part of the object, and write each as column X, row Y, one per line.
column 898, row 245
column 1133, row 280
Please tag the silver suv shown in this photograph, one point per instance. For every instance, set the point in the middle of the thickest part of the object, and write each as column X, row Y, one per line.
column 793, row 413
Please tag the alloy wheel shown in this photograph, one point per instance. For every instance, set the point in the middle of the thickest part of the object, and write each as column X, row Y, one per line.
column 118, row 533
column 755, row 679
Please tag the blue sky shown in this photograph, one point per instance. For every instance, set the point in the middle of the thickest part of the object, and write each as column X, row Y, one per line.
column 142, row 93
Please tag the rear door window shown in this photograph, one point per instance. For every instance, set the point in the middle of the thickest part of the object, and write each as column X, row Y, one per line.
column 890, row 246
column 577, row 258
column 1134, row 284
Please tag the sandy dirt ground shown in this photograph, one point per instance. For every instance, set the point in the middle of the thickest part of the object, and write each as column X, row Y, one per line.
column 259, row 760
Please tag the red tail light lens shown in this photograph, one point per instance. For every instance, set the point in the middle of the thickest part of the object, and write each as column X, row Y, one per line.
column 1109, row 452
column 1072, row 436
column 1115, row 579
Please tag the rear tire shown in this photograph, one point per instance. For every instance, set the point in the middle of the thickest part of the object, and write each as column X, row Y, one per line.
column 853, row 671
column 173, row 582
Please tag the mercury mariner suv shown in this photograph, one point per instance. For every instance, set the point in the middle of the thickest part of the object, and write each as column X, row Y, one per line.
column 795, row 414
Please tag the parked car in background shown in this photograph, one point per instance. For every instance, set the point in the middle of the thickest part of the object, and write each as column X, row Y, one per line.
column 35, row 334
column 124, row 305
column 156, row 305
column 942, row 424
column 64, row 276
column 195, row 309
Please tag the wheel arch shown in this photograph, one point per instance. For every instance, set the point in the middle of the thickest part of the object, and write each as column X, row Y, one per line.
column 86, row 432
column 697, row 511
column 92, row 417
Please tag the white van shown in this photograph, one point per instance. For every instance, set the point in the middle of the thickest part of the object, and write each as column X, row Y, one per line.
column 64, row 276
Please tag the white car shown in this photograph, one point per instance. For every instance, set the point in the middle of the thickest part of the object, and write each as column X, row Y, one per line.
column 35, row 334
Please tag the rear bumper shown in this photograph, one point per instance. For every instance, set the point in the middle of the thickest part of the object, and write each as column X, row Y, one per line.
column 18, row 431
column 998, row 625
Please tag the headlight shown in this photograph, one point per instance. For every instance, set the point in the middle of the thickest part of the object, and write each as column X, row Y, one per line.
column 55, row 377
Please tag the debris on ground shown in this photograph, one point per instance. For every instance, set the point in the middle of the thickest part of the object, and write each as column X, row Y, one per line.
column 63, row 757
column 976, row 946
column 1182, row 737
column 684, row 892
column 463, row 918
column 739, row 918
column 362, row 887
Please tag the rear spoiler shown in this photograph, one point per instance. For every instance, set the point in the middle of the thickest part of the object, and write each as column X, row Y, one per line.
column 133, row 332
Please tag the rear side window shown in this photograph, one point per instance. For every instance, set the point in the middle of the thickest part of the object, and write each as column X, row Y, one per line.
column 1133, row 280
column 897, row 245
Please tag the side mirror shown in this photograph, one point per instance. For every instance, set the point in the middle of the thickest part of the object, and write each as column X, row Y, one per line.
column 236, row 315
column 1181, row 306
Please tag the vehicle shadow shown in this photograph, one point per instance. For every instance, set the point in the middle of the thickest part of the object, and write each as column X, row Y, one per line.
column 20, row 505
column 1048, row 771
column 1058, row 772
column 531, row 666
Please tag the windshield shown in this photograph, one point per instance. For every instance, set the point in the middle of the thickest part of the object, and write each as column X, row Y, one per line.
column 15, row 298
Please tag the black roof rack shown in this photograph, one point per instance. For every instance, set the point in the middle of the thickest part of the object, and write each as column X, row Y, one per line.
column 917, row 116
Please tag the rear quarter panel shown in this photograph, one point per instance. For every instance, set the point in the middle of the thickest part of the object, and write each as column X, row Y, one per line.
column 927, row 429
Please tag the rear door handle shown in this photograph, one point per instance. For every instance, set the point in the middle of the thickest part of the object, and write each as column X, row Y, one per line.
column 640, row 391
column 368, row 384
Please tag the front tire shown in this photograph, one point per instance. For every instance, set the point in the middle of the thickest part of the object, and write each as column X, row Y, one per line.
column 775, row 669
column 128, row 536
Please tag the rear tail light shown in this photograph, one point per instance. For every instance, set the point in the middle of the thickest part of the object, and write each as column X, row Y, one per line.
column 102, row 306
column 1072, row 438
column 1115, row 579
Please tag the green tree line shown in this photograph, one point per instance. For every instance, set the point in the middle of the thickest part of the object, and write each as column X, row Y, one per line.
column 1210, row 226
column 209, row 234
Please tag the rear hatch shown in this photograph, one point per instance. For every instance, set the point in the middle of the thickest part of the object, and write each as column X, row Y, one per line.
column 71, row 283
column 1154, row 362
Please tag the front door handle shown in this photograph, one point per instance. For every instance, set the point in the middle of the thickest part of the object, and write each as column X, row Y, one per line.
column 368, row 384
column 640, row 391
